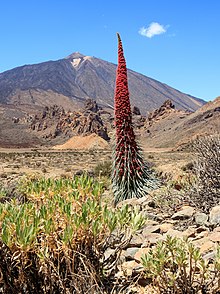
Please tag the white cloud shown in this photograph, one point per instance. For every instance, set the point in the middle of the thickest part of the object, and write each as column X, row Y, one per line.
column 153, row 29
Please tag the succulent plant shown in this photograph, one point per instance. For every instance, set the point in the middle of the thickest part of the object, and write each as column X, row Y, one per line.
column 131, row 176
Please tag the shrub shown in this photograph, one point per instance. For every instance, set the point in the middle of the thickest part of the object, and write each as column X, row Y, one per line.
column 207, row 169
column 55, row 241
column 103, row 169
column 2, row 192
column 176, row 266
column 188, row 167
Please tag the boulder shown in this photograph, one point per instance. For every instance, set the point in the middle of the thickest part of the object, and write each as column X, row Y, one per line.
column 185, row 213
column 201, row 218
column 214, row 216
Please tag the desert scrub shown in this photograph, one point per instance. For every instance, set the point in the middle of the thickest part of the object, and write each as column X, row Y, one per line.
column 174, row 192
column 131, row 175
column 103, row 169
column 207, row 169
column 176, row 266
column 55, row 241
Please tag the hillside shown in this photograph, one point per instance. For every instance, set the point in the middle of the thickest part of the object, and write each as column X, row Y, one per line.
column 171, row 127
column 68, row 82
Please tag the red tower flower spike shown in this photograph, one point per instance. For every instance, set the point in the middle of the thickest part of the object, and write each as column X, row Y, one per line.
column 131, row 175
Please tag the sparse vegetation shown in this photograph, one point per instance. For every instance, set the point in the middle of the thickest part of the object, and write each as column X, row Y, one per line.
column 176, row 266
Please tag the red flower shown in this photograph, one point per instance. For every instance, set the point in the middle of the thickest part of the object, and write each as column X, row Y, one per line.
column 123, row 116
column 131, row 176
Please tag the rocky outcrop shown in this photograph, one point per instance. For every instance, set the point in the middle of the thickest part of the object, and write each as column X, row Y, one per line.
column 165, row 109
column 55, row 121
column 136, row 110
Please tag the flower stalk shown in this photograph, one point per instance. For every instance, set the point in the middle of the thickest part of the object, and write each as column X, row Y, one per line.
column 131, row 176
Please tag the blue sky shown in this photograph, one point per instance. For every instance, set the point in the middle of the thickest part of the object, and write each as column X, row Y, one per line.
column 179, row 44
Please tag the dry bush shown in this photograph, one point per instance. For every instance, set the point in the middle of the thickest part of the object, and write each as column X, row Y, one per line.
column 103, row 169
column 207, row 168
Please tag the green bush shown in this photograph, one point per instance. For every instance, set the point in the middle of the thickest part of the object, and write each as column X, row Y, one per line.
column 176, row 266
column 2, row 192
column 55, row 241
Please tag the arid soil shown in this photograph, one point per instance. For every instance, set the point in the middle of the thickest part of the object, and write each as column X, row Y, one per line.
column 92, row 141
column 55, row 163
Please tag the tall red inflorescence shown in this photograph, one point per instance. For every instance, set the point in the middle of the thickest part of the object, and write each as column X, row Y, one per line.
column 125, row 137
column 131, row 175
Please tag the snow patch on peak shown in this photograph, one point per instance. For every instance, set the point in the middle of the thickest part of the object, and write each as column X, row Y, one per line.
column 87, row 58
column 75, row 62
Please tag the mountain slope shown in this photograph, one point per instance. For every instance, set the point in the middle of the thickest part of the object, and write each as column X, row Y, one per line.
column 69, row 81
column 178, row 128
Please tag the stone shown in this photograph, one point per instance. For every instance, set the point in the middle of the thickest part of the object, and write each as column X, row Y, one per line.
column 141, row 252
column 91, row 105
column 122, row 257
column 209, row 255
column 201, row 218
column 189, row 233
column 128, row 267
column 138, row 269
column 152, row 216
column 131, row 202
column 151, row 229
column 119, row 274
column 201, row 235
column 150, row 222
column 207, row 246
column 174, row 233
column 217, row 229
column 151, row 239
column 143, row 200
column 136, row 241
column 214, row 216
column 201, row 241
column 130, row 253
column 151, row 203
column 136, row 110
column 185, row 213
column 165, row 227
column 215, row 236
column 160, row 112
column 201, row 229
column 143, row 282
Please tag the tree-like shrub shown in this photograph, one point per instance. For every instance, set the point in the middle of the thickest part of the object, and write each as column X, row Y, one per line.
column 132, row 176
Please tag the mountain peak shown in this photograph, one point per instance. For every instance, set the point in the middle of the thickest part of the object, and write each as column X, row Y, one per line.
column 77, row 58
column 75, row 55
column 79, row 77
